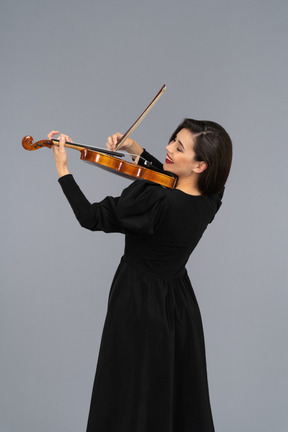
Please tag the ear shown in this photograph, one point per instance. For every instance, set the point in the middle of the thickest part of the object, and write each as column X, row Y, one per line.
column 200, row 167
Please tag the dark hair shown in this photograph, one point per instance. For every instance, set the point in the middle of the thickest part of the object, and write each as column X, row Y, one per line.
column 213, row 146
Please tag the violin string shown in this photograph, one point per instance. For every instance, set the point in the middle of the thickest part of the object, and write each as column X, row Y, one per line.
column 93, row 148
column 134, row 156
column 111, row 152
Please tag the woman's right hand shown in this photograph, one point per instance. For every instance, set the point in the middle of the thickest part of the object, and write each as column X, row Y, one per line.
column 131, row 146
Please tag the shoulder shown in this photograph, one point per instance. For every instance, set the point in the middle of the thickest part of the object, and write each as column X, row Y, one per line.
column 143, row 191
column 201, row 206
column 141, row 207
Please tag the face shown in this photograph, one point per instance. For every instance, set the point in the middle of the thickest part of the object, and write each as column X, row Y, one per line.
column 180, row 155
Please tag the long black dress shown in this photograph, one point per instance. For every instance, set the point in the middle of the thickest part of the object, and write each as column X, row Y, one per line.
column 151, row 373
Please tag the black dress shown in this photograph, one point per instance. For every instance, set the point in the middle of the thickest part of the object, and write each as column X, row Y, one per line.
column 151, row 373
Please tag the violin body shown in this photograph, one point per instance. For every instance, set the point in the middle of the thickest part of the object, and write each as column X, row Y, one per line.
column 108, row 162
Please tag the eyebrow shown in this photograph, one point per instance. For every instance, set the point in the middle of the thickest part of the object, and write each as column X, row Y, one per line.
column 181, row 144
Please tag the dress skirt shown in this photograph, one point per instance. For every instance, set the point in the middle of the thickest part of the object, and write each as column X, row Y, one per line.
column 151, row 373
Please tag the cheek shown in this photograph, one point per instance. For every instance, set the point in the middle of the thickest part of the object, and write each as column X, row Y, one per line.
column 184, row 160
column 187, row 165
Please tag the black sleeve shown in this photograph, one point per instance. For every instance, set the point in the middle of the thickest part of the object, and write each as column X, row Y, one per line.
column 138, row 210
column 146, row 159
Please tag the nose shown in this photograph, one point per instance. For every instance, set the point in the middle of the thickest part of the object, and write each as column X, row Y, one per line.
column 169, row 147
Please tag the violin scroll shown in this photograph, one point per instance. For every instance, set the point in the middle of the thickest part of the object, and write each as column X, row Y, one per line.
column 28, row 143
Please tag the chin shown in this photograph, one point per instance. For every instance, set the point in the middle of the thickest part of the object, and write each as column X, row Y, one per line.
column 167, row 167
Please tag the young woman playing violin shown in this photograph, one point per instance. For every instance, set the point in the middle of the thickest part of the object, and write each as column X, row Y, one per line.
column 151, row 373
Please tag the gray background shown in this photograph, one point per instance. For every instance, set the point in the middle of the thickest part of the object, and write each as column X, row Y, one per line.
column 89, row 69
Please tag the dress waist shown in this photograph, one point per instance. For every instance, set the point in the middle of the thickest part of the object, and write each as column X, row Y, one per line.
column 151, row 269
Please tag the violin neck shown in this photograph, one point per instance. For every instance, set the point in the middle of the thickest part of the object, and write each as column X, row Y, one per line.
column 80, row 147
column 71, row 145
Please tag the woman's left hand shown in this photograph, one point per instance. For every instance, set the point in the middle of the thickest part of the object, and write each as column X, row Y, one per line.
column 60, row 154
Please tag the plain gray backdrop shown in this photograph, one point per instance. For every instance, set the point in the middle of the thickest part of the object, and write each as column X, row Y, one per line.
column 89, row 69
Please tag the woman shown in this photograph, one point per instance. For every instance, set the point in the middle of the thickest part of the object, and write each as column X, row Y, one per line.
column 151, row 373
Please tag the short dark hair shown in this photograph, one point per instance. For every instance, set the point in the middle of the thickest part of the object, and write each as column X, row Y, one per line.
column 212, row 146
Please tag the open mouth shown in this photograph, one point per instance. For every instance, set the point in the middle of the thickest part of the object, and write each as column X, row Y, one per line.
column 168, row 160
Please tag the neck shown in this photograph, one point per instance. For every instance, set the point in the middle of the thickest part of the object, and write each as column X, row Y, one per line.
column 188, row 186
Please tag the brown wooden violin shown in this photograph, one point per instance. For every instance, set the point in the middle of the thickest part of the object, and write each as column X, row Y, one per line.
column 110, row 160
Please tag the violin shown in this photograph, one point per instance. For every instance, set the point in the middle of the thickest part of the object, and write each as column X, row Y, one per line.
column 110, row 160
column 107, row 160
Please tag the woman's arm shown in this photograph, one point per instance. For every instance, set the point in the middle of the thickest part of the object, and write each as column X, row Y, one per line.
column 111, row 214
column 131, row 146
column 140, row 155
